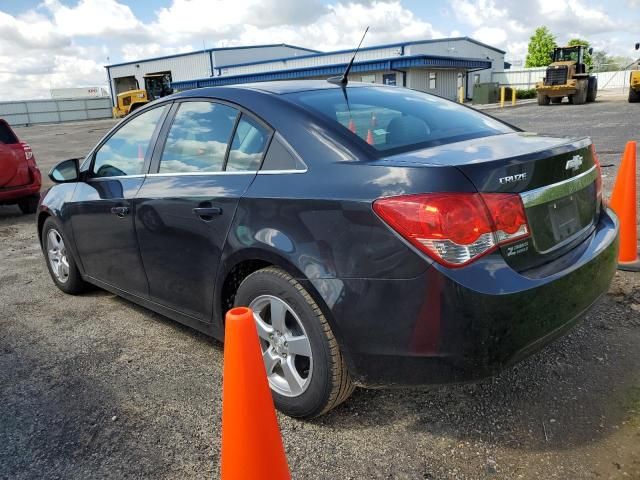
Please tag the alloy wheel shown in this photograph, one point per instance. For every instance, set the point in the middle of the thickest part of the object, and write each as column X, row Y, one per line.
column 285, row 346
column 57, row 254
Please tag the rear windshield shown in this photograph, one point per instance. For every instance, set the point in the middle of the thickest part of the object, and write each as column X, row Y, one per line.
column 394, row 120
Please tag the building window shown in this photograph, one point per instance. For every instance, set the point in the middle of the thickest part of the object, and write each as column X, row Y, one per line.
column 389, row 79
column 368, row 79
column 476, row 79
column 432, row 80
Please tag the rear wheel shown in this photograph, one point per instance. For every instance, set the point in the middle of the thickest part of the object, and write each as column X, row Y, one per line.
column 634, row 96
column 556, row 100
column 543, row 99
column 593, row 89
column 305, row 368
column 60, row 263
column 29, row 205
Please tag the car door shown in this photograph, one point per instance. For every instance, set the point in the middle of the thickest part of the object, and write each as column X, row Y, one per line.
column 210, row 156
column 102, row 209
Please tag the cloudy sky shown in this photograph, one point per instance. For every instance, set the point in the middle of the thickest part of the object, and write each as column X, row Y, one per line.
column 65, row 43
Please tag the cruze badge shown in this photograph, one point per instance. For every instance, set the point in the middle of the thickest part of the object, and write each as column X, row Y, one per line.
column 512, row 178
column 574, row 163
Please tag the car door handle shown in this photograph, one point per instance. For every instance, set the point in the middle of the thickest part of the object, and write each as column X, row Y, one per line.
column 120, row 211
column 207, row 213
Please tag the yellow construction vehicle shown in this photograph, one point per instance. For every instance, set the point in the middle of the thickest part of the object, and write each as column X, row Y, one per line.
column 567, row 76
column 157, row 85
column 634, row 82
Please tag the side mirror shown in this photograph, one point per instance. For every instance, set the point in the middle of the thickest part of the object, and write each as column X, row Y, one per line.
column 590, row 50
column 66, row 171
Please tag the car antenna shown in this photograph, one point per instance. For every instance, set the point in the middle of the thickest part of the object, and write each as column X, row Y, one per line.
column 343, row 79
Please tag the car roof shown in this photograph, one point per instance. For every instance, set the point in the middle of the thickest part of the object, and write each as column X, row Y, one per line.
column 281, row 87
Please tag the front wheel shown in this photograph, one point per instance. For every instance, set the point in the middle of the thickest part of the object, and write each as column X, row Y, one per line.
column 543, row 99
column 305, row 368
column 60, row 262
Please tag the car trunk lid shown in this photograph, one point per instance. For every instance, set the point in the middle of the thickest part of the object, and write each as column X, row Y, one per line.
column 14, row 170
column 554, row 176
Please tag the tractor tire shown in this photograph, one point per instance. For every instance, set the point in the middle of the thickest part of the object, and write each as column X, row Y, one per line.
column 592, row 91
column 556, row 99
column 634, row 96
column 580, row 97
column 543, row 99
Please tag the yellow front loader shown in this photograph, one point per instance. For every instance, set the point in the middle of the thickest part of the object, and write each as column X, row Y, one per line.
column 567, row 76
column 157, row 85
column 634, row 82
column 129, row 101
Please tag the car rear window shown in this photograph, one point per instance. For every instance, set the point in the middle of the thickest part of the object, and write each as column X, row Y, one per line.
column 394, row 120
column 6, row 135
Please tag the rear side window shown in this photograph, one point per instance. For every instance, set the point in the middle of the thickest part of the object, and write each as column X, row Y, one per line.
column 248, row 146
column 394, row 120
column 198, row 138
column 6, row 135
column 280, row 157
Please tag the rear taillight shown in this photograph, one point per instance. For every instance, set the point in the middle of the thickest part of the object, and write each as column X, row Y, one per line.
column 28, row 153
column 455, row 228
column 596, row 160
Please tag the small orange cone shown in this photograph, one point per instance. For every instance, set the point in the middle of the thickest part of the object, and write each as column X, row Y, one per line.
column 251, row 443
column 624, row 203
column 370, row 137
column 352, row 125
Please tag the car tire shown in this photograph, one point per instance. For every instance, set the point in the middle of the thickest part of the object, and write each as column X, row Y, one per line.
column 634, row 97
column 543, row 99
column 327, row 382
column 60, row 263
column 29, row 205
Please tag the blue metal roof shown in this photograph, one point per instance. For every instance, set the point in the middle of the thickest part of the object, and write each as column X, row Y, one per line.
column 394, row 63
column 208, row 50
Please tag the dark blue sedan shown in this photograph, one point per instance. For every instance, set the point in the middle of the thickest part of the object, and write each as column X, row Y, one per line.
column 382, row 236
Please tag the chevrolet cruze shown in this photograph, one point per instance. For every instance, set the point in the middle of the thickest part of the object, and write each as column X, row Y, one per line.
column 382, row 236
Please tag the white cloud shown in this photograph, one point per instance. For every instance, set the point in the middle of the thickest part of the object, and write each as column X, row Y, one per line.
column 508, row 24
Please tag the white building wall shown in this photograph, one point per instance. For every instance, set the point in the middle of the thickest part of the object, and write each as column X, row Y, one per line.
column 246, row 55
column 184, row 67
column 314, row 61
column 466, row 49
column 446, row 82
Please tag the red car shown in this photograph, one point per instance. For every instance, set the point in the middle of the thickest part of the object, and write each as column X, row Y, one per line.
column 20, row 177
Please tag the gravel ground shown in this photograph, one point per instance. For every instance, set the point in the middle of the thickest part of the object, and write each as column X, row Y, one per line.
column 96, row 387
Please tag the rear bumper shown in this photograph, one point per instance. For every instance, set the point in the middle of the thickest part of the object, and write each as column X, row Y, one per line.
column 13, row 194
column 449, row 326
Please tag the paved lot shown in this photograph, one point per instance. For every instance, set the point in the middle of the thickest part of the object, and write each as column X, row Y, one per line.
column 96, row 387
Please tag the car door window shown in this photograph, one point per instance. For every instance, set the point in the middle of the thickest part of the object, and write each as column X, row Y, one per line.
column 198, row 138
column 248, row 146
column 124, row 152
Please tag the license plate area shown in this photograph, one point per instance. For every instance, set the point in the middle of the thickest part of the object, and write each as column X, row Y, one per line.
column 564, row 218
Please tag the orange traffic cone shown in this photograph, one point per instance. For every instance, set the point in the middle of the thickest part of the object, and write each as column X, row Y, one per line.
column 624, row 203
column 370, row 137
column 251, row 443
column 352, row 125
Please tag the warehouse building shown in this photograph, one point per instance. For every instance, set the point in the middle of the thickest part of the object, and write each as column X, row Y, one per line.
column 187, row 66
column 439, row 66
